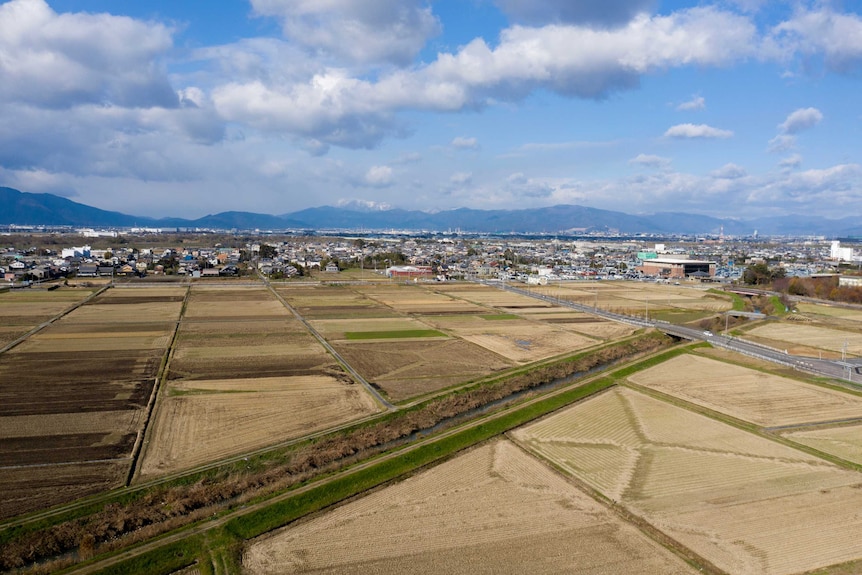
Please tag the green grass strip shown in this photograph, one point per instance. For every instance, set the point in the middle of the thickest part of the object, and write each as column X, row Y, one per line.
column 499, row 316
column 394, row 334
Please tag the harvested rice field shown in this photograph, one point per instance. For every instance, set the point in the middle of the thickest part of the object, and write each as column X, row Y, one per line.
column 491, row 510
column 200, row 421
column 231, row 302
column 830, row 311
column 748, row 394
column 633, row 298
column 405, row 369
column 523, row 341
column 74, row 398
column 23, row 310
column 843, row 442
column 788, row 335
column 740, row 501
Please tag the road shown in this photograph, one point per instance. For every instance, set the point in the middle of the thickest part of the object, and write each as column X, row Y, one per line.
column 847, row 370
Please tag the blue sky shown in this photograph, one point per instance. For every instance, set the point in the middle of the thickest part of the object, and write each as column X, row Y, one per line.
column 734, row 108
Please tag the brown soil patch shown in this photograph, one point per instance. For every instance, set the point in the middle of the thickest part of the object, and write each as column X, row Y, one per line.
column 492, row 510
column 217, row 418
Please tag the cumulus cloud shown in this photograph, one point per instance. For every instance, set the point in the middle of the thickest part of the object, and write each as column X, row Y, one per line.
column 363, row 31
column 791, row 162
column 601, row 12
column 378, row 177
column 800, row 120
column 336, row 107
column 822, row 34
column 729, row 172
column 696, row 103
column 781, row 143
column 463, row 143
column 696, row 131
column 650, row 161
column 61, row 60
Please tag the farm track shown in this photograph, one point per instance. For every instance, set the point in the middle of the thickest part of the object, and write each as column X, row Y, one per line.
column 140, row 442
column 59, row 316
column 355, row 374
column 222, row 520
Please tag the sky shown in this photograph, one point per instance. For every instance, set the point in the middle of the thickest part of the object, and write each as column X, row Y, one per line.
column 732, row 108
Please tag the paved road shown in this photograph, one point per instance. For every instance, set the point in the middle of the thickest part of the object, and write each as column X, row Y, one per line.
column 850, row 370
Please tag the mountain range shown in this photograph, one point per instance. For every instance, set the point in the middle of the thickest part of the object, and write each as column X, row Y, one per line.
column 24, row 208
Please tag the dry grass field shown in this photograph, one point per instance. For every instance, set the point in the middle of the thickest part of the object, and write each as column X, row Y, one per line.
column 404, row 369
column 830, row 311
column 491, row 510
column 524, row 341
column 633, row 298
column 747, row 394
column 789, row 335
column 74, row 396
column 202, row 421
column 744, row 503
column 844, row 442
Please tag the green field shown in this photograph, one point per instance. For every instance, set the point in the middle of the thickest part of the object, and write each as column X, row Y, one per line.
column 397, row 334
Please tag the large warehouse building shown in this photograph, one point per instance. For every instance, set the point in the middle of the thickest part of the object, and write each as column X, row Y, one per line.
column 678, row 268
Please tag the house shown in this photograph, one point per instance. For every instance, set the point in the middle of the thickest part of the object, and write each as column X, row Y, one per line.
column 331, row 268
column 88, row 270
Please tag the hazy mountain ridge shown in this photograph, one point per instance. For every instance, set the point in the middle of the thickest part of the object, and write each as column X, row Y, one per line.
column 46, row 209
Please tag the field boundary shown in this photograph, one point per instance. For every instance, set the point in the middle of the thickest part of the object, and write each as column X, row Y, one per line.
column 139, row 449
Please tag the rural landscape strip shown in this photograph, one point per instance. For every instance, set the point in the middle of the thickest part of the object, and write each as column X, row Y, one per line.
column 602, row 353
column 174, row 553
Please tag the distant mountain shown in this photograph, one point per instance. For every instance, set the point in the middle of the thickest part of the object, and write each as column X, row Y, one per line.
column 46, row 209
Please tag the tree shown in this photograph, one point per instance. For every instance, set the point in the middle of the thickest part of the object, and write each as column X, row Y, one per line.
column 761, row 274
column 267, row 251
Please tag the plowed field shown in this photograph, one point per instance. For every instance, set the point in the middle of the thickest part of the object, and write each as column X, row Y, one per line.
column 491, row 510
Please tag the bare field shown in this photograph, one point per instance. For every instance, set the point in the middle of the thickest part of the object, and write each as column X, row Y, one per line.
column 744, row 503
column 493, row 297
column 492, row 510
column 525, row 341
column 809, row 336
column 843, row 442
column 747, row 394
column 407, row 369
column 74, row 397
column 202, row 421
column 126, row 313
column 28, row 489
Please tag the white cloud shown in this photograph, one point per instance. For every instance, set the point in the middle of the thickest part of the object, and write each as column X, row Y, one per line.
column 823, row 33
column 696, row 103
column 650, row 161
column 336, row 107
column 801, row 119
column 61, row 60
column 696, row 131
column 781, row 143
column 364, row 31
column 379, row 176
column 463, row 143
column 729, row 172
column 461, row 178
column 790, row 162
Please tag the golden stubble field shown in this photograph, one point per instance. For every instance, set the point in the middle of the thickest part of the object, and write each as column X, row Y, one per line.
column 634, row 298
column 790, row 335
column 244, row 374
column 201, row 421
column 491, row 510
column 844, row 442
column 748, row 394
column 742, row 502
